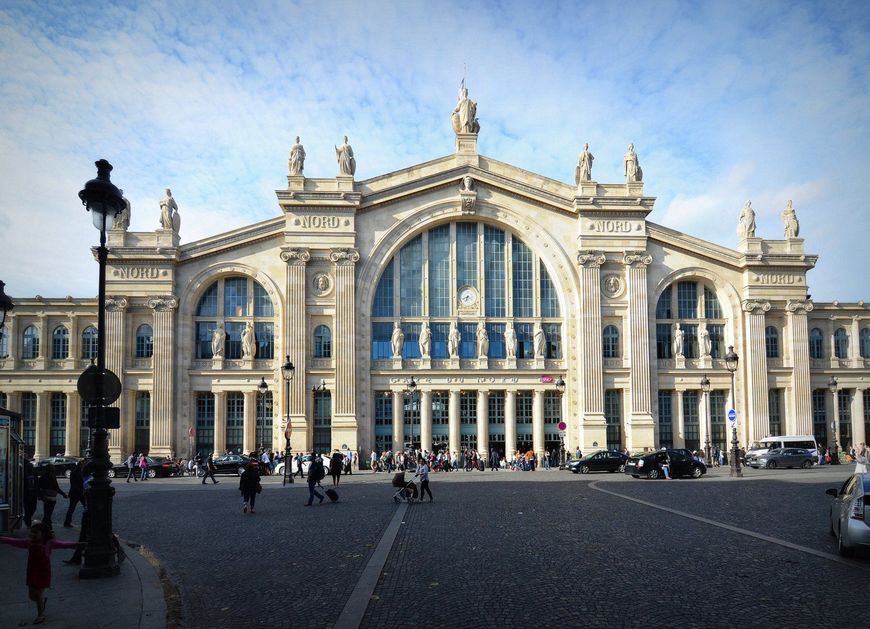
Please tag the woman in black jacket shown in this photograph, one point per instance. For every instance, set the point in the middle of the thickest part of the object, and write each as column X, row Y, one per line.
column 48, row 491
column 249, row 485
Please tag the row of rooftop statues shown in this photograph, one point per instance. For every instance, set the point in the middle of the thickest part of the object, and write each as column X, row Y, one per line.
column 630, row 166
column 746, row 222
column 397, row 340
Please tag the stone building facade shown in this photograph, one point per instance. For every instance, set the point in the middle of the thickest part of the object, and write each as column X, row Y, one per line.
column 483, row 281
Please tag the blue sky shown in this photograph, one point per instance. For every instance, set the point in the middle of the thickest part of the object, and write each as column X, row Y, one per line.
column 724, row 101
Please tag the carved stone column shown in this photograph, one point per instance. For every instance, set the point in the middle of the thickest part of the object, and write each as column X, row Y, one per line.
column 426, row 420
column 295, row 342
column 344, row 424
column 483, row 423
column 641, row 433
column 801, row 423
column 43, row 422
column 249, row 431
column 510, row 423
column 73, row 423
column 163, row 393
column 116, row 309
column 590, row 363
column 44, row 342
column 74, row 338
column 678, row 422
column 220, row 422
column 757, row 418
column 453, row 422
column 538, row 423
column 858, row 427
column 398, row 421
column 854, row 348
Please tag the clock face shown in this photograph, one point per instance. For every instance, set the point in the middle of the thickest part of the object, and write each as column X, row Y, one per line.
column 467, row 296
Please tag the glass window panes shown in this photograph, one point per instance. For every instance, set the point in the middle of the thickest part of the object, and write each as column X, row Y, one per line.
column 719, row 437
column 774, row 412
column 553, row 334
column 524, row 407
column 264, row 336
column 28, row 419
column 89, row 342
column 4, row 345
column 841, row 343
column 549, row 299
column 141, row 439
column 57, row 433
column 264, row 422
column 691, row 421
column 204, row 332
column 383, row 306
column 865, row 343
column 144, row 341
column 611, row 342
column 666, row 419
column 522, row 278
column 207, row 306
column 525, row 340
column 439, row 340
column 613, row 417
column 771, row 342
column 495, row 277
column 468, row 408
column 439, row 271
column 466, row 254
column 204, row 423
column 262, row 302
column 30, row 347
column 381, row 335
column 411, row 347
column 383, row 408
column 663, row 308
column 817, row 343
column 717, row 339
column 690, row 340
column 496, row 407
column 60, row 343
column 844, row 415
column 495, row 331
column 440, row 409
column 712, row 310
column 322, row 421
column 664, row 342
column 235, row 421
column 234, row 340
column 236, row 297
column 411, row 278
column 468, row 340
column 322, row 342
column 552, row 407
column 687, row 300
column 820, row 424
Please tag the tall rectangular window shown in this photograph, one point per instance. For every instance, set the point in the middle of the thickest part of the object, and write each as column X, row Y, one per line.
column 265, row 422
column 411, row 278
column 57, row 436
column 204, row 332
column 234, row 339
column 663, row 307
column 521, row 266
column 466, row 254
column 690, row 340
column 553, row 334
column 383, row 306
column 717, row 340
column 383, row 420
column 687, row 300
column 439, row 271
column 525, row 340
column 496, row 407
column 381, row 335
column 28, row 420
column 774, row 412
column 236, row 297
column 495, row 331
column 204, row 423
column 820, row 421
column 208, row 303
column 549, row 300
column 844, row 412
column 235, row 421
column 613, row 417
column 4, row 346
column 866, row 413
column 468, row 407
column 666, row 419
column 495, row 277
column 84, row 428
column 691, row 420
column 440, row 409
column 262, row 302
column 468, row 340
column 264, row 333
column 142, row 437
column 411, row 347
column 322, row 422
column 719, row 437
column 663, row 341
column 440, row 331
column 524, row 420
column 552, row 407
column 711, row 305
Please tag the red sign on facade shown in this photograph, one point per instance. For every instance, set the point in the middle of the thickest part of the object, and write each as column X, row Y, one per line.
column 546, row 379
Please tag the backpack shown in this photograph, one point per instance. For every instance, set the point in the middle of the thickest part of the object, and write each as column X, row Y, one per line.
column 317, row 471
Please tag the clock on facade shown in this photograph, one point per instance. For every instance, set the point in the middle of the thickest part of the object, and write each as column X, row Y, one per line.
column 467, row 296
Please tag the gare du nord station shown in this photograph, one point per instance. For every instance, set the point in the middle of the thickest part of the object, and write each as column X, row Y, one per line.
column 487, row 284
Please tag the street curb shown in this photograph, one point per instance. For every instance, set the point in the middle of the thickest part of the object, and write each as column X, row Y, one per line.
column 159, row 594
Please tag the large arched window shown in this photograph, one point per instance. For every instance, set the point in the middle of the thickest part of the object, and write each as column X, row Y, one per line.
column 144, row 341
column 89, row 342
column 865, row 343
column 690, row 303
column 771, row 341
column 234, row 303
column 30, row 347
column 462, row 272
column 817, row 343
column 841, row 343
column 322, row 342
column 611, row 342
column 60, row 343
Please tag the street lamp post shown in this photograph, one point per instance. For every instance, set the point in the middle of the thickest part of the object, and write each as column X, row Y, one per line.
column 287, row 371
column 833, row 386
column 560, row 389
column 104, row 200
column 263, row 388
column 731, row 361
column 708, row 451
column 414, row 395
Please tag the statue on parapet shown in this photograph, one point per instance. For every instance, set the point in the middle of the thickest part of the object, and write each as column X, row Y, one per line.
column 397, row 340
column 249, row 345
column 583, row 171
column 167, row 206
column 346, row 161
column 453, row 339
column 425, row 341
column 122, row 218
column 510, row 340
column 746, row 222
column 633, row 171
column 482, row 340
column 540, row 340
column 217, row 342
column 678, row 339
column 464, row 117
column 789, row 218
column 297, row 158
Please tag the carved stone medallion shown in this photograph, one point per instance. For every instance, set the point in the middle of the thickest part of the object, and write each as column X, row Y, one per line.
column 612, row 286
column 321, row 284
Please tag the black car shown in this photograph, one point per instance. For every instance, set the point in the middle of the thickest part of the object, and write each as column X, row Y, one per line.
column 649, row 465
column 229, row 464
column 157, row 466
column 601, row 461
column 63, row 465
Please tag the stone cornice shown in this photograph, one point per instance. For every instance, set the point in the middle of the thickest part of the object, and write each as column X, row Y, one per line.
column 799, row 307
column 162, row 303
column 344, row 257
column 116, row 304
column 636, row 258
column 590, row 258
column 295, row 256
column 751, row 306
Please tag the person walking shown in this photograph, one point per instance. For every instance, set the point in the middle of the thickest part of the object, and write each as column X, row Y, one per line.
column 423, row 473
column 131, row 468
column 861, row 459
column 249, row 485
column 31, row 492
column 76, row 558
column 39, row 545
column 76, row 492
column 298, row 466
column 335, row 465
column 665, row 463
column 316, row 473
column 209, row 471
column 48, row 491
column 143, row 467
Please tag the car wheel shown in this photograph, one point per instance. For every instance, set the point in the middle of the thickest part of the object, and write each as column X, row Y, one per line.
column 842, row 549
column 652, row 474
column 241, row 471
column 621, row 469
column 771, row 465
column 67, row 473
column 111, row 473
column 200, row 474
column 696, row 472
column 584, row 469
column 807, row 465
column 152, row 473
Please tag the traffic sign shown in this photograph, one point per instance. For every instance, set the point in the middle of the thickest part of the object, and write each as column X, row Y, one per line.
column 732, row 416
column 563, row 426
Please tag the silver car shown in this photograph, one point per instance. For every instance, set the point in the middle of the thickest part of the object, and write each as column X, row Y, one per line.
column 783, row 457
column 850, row 514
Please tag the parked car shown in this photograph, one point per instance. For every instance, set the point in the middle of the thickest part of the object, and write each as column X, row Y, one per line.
column 229, row 464
column 601, row 461
column 306, row 463
column 849, row 519
column 649, row 464
column 782, row 457
column 157, row 466
column 63, row 465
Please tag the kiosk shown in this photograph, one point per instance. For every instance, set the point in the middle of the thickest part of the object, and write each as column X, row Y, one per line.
column 11, row 471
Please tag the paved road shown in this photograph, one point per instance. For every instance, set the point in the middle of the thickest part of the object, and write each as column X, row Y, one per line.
column 508, row 549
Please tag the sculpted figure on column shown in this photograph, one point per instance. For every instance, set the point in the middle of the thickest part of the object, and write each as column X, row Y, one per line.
column 482, row 340
column 540, row 342
column 633, row 171
column 706, row 343
column 425, row 341
column 792, row 227
column 678, row 340
column 746, row 223
column 217, row 341
column 167, row 206
column 249, row 347
column 297, row 158
column 346, row 161
column 510, row 340
column 464, row 117
column 122, row 220
column 584, row 166
column 453, row 339
column 397, row 341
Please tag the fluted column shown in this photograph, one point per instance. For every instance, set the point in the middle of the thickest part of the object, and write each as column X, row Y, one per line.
column 73, row 423
column 483, row 424
column 163, row 393
column 220, row 422
column 344, row 425
column 510, row 423
column 426, row 420
column 757, row 413
column 801, row 423
column 398, row 421
column 641, row 428
column 295, row 342
column 858, row 427
column 855, row 347
column 590, row 363
column 453, row 422
column 116, row 308
column 11, row 332
column 538, row 423
column 43, row 421
column 678, row 422
column 74, row 338
column 249, row 434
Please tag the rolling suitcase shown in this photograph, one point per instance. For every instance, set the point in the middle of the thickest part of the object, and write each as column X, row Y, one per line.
column 332, row 495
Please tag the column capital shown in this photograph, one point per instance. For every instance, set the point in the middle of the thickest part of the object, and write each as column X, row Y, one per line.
column 294, row 256
column 162, row 303
column 590, row 258
column 751, row 306
column 116, row 303
column 344, row 257
column 799, row 307
column 636, row 258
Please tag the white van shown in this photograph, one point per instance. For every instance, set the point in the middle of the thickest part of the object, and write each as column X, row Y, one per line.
column 805, row 442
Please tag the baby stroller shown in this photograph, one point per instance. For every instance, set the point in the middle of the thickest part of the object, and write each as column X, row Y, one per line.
column 406, row 491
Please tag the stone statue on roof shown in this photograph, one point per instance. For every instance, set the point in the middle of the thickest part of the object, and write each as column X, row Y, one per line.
column 789, row 218
column 584, row 166
column 346, row 161
column 746, row 223
column 297, row 158
column 633, row 172
column 464, row 117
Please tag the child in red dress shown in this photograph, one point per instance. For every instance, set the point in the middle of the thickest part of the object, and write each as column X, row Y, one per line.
column 39, row 547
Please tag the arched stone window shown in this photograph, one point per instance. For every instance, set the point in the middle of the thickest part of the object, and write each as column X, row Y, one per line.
column 689, row 303
column 865, row 343
column 817, row 344
column 771, row 341
column 89, row 342
column 30, row 347
column 322, row 342
column 611, row 342
column 60, row 343
column 841, row 343
column 234, row 302
column 144, row 341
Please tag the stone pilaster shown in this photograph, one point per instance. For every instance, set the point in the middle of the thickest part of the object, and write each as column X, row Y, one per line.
column 538, row 423
column 483, row 423
column 453, row 421
column 679, row 424
column 44, row 342
column 426, row 420
column 510, row 423
column 344, row 424
column 398, row 421
column 43, row 422
column 11, row 332
column 249, row 429
column 641, row 427
column 163, row 392
column 858, row 427
column 73, row 423
column 801, row 422
column 756, row 417
column 590, row 362
column 75, row 337
column 295, row 342
column 220, row 422
column 855, row 346
column 116, row 309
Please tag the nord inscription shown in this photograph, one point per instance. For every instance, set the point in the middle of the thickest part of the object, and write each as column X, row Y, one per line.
column 612, row 226
column 778, row 278
column 138, row 272
column 319, row 222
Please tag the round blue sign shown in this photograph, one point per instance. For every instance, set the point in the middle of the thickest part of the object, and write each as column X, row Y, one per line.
column 732, row 415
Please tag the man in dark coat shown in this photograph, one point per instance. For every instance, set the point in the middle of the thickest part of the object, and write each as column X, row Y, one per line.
column 76, row 492
column 316, row 473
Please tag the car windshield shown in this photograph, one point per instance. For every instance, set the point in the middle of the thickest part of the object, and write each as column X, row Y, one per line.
column 760, row 445
column 776, row 451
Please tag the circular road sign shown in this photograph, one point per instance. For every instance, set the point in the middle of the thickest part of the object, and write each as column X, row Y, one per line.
column 732, row 415
column 93, row 380
column 563, row 426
